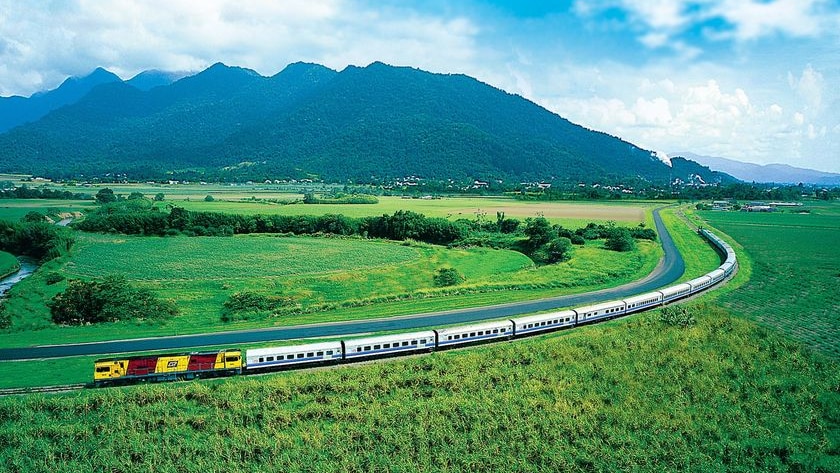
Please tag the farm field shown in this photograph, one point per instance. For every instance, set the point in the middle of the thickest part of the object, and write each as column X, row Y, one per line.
column 795, row 272
column 15, row 209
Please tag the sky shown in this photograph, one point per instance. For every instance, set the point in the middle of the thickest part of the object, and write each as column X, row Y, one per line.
column 752, row 80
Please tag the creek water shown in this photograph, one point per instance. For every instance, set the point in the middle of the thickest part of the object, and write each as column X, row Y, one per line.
column 27, row 267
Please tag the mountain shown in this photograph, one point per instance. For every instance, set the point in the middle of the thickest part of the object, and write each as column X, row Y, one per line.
column 361, row 124
column 148, row 80
column 15, row 110
column 697, row 173
column 778, row 173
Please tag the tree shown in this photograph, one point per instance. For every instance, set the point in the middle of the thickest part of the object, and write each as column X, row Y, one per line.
column 159, row 197
column 620, row 239
column 105, row 196
column 209, row 198
column 559, row 249
column 538, row 231
column 136, row 195
column 33, row 217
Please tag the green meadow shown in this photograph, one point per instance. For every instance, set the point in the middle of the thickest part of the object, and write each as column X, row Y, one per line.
column 796, row 272
column 729, row 392
column 328, row 279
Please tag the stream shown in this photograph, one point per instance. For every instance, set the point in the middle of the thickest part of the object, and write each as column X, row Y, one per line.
column 27, row 267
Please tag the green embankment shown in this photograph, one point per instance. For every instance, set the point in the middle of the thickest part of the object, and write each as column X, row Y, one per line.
column 8, row 264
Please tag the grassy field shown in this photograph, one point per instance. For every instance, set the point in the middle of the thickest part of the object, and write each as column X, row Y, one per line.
column 329, row 279
column 722, row 395
column 796, row 272
column 15, row 209
column 636, row 394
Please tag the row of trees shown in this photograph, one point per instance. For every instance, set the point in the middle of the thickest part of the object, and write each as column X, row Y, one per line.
column 39, row 239
column 9, row 191
column 402, row 225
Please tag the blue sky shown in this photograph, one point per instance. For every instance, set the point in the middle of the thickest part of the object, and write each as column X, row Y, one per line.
column 754, row 80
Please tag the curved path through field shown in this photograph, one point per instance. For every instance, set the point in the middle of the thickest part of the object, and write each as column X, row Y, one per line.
column 669, row 269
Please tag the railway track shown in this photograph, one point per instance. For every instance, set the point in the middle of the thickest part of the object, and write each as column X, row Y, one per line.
column 43, row 389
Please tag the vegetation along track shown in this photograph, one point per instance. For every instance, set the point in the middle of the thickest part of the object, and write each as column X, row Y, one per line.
column 669, row 270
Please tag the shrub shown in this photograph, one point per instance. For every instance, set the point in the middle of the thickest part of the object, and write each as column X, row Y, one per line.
column 5, row 317
column 448, row 277
column 620, row 239
column 111, row 299
column 209, row 198
column 53, row 278
column 559, row 249
column 245, row 305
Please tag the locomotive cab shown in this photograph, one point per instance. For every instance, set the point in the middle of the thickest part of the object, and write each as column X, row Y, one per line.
column 106, row 370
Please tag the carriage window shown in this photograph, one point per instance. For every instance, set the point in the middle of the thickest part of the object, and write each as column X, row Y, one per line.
column 495, row 330
column 262, row 359
column 413, row 342
column 472, row 334
column 232, row 359
column 457, row 337
column 329, row 352
column 270, row 358
column 367, row 348
column 290, row 357
column 358, row 349
column 103, row 369
column 310, row 355
column 300, row 355
column 377, row 347
column 320, row 353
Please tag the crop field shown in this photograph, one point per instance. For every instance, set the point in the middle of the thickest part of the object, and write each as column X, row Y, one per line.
column 796, row 272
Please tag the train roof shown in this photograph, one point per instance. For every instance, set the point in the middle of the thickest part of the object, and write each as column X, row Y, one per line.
column 546, row 316
column 388, row 338
column 293, row 348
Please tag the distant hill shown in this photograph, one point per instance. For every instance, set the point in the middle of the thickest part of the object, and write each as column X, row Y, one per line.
column 147, row 80
column 361, row 124
column 778, row 173
column 17, row 110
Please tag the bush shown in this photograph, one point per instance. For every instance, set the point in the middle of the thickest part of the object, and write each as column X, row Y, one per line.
column 559, row 249
column 448, row 277
column 111, row 299
column 209, row 198
column 244, row 305
column 577, row 240
column 620, row 239
column 5, row 317
column 53, row 278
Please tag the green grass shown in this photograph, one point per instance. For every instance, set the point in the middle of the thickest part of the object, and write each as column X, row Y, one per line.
column 795, row 273
column 723, row 395
column 8, row 264
column 15, row 209
column 329, row 279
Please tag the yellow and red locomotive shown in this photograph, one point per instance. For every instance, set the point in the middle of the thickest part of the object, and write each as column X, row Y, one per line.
column 168, row 367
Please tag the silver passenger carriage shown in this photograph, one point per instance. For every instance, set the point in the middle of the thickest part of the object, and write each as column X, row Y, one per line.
column 643, row 301
column 474, row 333
column 600, row 311
column 543, row 322
column 277, row 357
column 387, row 345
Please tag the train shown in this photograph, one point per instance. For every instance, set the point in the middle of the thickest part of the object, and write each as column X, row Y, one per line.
column 229, row 362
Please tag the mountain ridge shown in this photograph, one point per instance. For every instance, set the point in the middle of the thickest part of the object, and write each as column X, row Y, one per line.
column 361, row 124
column 770, row 173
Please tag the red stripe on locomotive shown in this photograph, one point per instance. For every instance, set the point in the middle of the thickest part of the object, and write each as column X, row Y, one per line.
column 141, row 366
column 202, row 362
